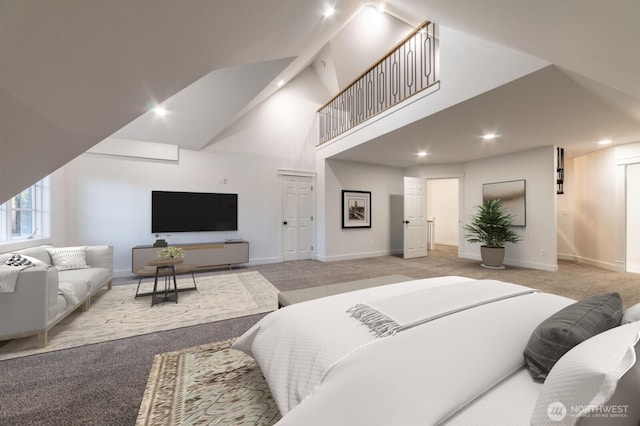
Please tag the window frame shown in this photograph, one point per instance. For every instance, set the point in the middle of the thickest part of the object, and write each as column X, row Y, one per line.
column 39, row 210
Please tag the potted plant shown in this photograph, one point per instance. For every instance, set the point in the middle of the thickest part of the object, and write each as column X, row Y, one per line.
column 491, row 226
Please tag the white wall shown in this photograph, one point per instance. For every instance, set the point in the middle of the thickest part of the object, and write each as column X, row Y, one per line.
column 469, row 66
column 373, row 33
column 443, row 206
column 599, row 207
column 594, row 209
column 628, row 230
column 565, row 213
column 538, row 248
column 385, row 235
column 108, row 198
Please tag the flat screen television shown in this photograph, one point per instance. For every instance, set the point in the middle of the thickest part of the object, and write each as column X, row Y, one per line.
column 173, row 211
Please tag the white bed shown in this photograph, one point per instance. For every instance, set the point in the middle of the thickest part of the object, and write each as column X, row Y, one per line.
column 455, row 357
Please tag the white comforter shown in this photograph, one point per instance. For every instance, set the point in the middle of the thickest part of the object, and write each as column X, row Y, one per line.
column 297, row 345
column 324, row 367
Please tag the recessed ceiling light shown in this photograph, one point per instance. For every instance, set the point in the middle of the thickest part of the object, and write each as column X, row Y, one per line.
column 605, row 142
column 422, row 154
column 159, row 111
column 329, row 11
column 489, row 136
column 280, row 83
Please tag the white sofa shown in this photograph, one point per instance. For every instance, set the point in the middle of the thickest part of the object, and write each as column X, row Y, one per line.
column 44, row 295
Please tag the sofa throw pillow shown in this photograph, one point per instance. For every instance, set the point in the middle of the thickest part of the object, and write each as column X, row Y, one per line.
column 631, row 314
column 18, row 260
column 69, row 257
column 569, row 327
column 595, row 383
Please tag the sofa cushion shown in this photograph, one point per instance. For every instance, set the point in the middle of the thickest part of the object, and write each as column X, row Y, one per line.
column 66, row 258
column 39, row 253
column 73, row 291
column 91, row 277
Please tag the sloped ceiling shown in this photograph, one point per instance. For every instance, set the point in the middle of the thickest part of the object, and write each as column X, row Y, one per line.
column 74, row 72
column 592, row 94
column 199, row 112
column 543, row 108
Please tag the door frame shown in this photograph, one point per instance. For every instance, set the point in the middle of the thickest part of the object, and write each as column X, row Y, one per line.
column 410, row 228
column 297, row 173
column 627, row 214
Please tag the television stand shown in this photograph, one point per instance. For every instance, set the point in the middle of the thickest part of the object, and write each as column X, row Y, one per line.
column 204, row 255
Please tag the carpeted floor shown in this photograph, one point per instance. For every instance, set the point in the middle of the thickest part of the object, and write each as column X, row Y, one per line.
column 103, row 384
column 116, row 313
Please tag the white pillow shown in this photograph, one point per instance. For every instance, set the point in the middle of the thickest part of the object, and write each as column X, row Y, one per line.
column 596, row 382
column 69, row 257
column 632, row 314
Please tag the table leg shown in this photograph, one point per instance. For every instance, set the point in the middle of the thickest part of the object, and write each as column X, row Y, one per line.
column 175, row 284
column 138, row 289
column 155, row 288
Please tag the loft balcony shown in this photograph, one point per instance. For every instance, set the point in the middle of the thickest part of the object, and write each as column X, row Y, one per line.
column 408, row 69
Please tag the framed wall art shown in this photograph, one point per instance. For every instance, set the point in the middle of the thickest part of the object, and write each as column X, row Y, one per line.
column 356, row 209
column 513, row 196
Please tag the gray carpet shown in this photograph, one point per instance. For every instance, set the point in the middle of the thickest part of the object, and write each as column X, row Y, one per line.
column 103, row 384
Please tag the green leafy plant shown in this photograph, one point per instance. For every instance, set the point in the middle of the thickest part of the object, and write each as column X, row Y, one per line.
column 491, row 225
column 171, row 252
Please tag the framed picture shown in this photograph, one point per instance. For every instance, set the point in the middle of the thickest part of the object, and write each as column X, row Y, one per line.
column 513, row 196
column 356, row 209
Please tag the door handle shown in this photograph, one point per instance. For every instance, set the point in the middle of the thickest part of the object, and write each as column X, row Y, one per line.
column 405, row 221
column 284, row 223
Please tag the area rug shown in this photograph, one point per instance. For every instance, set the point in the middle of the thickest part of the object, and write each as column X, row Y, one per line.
column 206, row 385
column 116, row 313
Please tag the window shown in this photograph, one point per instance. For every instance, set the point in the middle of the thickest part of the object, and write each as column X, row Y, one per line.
column 27, row 215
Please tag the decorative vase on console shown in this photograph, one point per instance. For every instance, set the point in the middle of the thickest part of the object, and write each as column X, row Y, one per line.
column 171, row 252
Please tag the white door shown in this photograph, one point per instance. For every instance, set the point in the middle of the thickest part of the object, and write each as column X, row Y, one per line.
column 297, row 221
column 633, row 218
column 415, row 220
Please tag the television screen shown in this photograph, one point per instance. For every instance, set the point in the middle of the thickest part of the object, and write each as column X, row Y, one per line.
column 173, row 211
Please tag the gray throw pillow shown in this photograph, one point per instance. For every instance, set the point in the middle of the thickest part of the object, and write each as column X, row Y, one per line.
column 569, row 327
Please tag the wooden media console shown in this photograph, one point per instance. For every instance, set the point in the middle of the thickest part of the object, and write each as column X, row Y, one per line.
column 203, row 255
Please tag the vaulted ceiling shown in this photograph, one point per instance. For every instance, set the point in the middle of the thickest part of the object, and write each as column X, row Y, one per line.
column 74, row 72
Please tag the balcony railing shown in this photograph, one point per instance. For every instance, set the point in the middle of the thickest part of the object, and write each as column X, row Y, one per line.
column 408, row 69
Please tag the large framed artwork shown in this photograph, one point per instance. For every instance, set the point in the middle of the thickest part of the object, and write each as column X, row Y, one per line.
column 513, row 196
column 356, row 209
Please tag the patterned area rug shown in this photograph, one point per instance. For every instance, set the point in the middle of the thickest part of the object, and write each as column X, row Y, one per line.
column 116, row 313
column 207, row 385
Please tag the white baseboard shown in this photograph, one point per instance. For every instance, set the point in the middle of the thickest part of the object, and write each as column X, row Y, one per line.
column 510, row 262
column 615, row 267
column 352, row 256
column 264, row 260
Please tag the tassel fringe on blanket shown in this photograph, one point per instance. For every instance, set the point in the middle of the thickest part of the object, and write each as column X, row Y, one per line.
column 381, row 325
